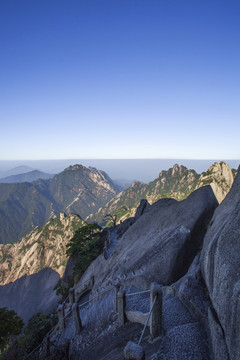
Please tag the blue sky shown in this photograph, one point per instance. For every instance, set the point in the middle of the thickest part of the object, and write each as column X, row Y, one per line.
column 119, row 79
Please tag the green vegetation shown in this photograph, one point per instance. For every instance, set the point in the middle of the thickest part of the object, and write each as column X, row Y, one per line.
column 206, row 182
column 63, row 291
column 32, row 336
column 122, row 211
column 10, row 324
column 85, row 246
column 111, row 220
column 5, row 257
column 37, row 327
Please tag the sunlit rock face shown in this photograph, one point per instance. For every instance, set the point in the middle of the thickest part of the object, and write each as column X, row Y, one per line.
column 43, row 247
column 177, row 182
column 220, row 177
column 77, row 190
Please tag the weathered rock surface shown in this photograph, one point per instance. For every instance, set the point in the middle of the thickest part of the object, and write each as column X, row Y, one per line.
column 184, row 335
column 143, row 206
column 160, row 245
column 31, row 294
column 220, row 260
column 43, row 247
column 77, row 190
column 220, row 177
column 177, row 183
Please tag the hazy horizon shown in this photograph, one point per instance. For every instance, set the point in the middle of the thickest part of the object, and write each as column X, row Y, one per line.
column 144, row 170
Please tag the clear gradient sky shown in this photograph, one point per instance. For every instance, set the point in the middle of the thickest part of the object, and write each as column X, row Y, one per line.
column 119, row 79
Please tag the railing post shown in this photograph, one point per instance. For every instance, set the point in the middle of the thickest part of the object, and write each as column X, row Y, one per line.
column 72, row 295
column 77, row 319
column 61, row 319
column 156, row 316
column 117, row 288
column 121, row 307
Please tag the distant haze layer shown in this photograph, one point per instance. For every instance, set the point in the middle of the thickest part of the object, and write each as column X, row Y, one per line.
column 130, row 169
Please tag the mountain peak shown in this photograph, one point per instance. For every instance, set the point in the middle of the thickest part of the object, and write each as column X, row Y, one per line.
column 75, row 167
column 174, row 171
column 220, row 177
column 178, row 169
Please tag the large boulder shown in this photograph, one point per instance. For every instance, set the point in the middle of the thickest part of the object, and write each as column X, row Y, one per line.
column 220, row 264
column 160, row 245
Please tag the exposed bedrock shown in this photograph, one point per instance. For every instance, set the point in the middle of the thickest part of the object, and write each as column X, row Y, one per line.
column 220, row 264
column 160, row 245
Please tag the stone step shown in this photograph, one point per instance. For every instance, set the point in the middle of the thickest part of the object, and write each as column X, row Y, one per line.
column 174, row 314
column 185, row 342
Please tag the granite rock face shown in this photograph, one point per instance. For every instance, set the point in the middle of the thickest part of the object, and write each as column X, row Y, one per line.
column 176, row 183
column 160, row 245
column 220, row 264
column 220, row 177
column 41, row 248
column 77, row 190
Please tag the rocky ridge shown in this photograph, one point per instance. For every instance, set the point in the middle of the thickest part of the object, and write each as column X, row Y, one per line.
column 43, row 247
column 177, row 183
column 77, row 190
column 156, row 248
column 220, row 177
column 166, row 234
column 159, row 245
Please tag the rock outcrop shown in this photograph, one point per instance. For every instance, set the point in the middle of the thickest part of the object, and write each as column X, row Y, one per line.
column 177, row 183
column 77, row 189
column 160, row 245
column 43, row 247
column 220, row 177
column 190, row 248
column 220, row 261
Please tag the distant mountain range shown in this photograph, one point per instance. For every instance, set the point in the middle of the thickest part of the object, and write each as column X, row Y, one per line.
column 91, row 194
column 22, row 169
column 143, row 170
column 177, row 182
column 44, row 247
column 77, row 190
column 30, row 176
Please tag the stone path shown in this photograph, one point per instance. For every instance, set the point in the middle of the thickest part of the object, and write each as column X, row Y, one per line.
column 184, row 338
